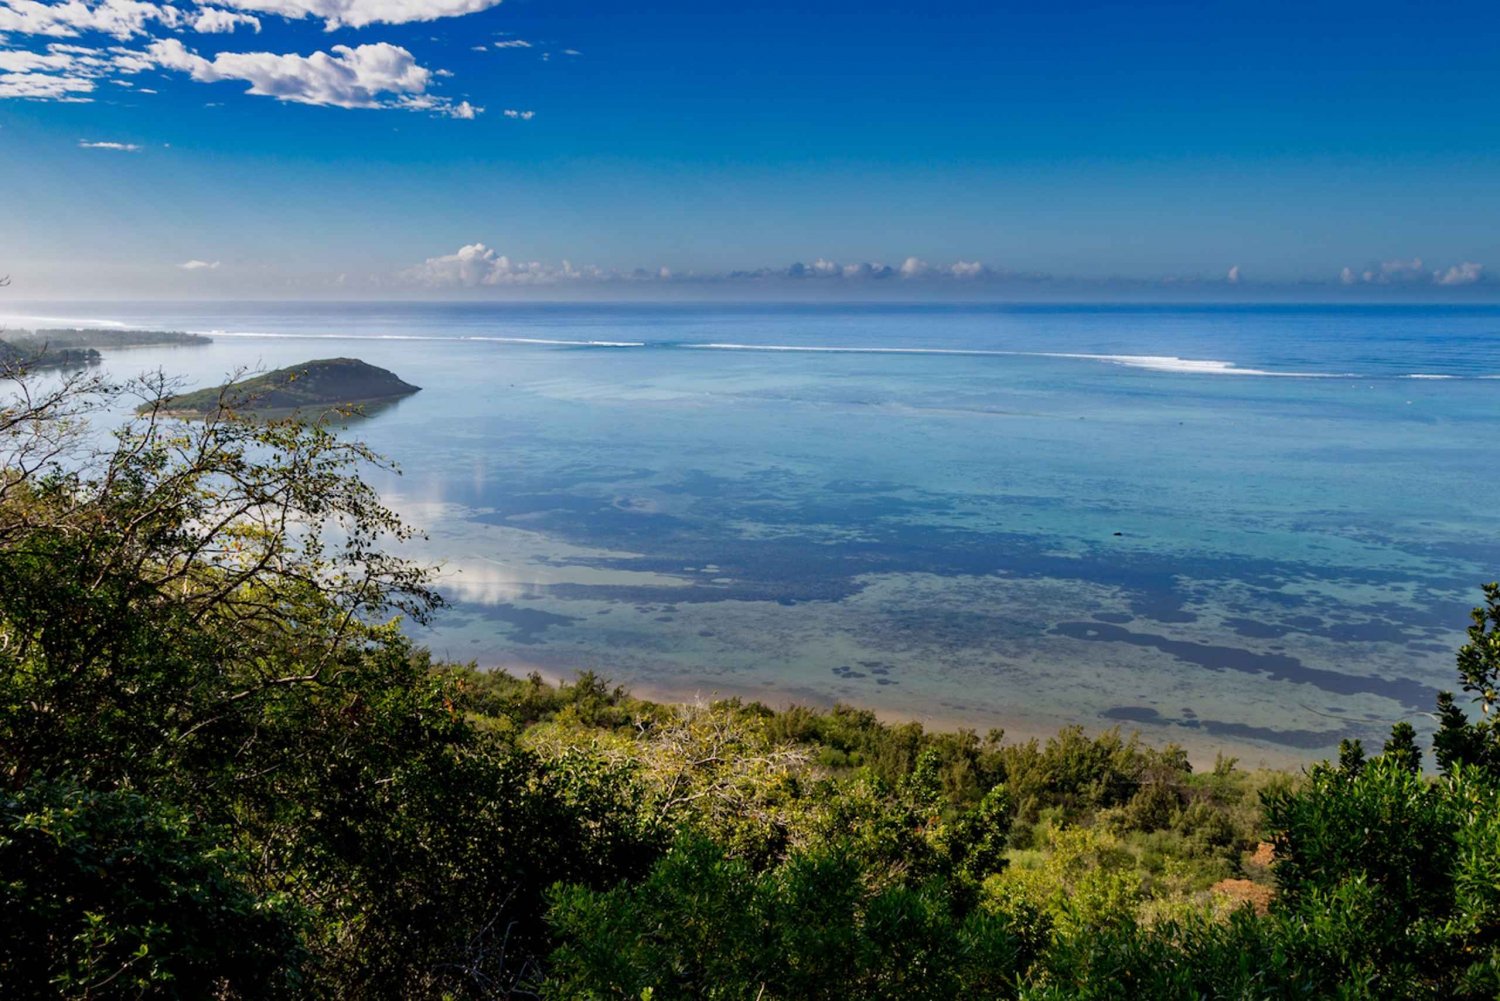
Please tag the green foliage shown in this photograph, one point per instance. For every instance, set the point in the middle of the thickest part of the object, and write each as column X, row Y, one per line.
column 1459, row 741
column 108, row 894
column 1393, row 875
column 814, row 927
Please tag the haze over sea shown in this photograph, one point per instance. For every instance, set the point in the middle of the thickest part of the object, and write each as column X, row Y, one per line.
column 1250, row 528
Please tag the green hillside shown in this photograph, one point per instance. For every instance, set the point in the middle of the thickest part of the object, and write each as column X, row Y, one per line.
column 321, row 384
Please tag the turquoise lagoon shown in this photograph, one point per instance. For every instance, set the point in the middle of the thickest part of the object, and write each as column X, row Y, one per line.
column 1257, row 529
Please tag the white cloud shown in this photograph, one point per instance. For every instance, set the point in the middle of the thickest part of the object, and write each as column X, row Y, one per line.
column 45, row 87
column 1413, row 272
column 120, row 147
column 197, row 265
column 211, row 21
column 475, row 265
column 1232, row 276
column 19, row 61
column 524, row 116
column 1466, row 273
column 365, row 76
column 362, row 13
column 512, row 43
column 913, row 268
column 121, row 19
column 66, row 72
column 378, row 75
column 1394, row 273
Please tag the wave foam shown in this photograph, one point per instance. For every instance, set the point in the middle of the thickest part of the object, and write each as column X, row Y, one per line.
column 1193, row 366
column 1156, row 363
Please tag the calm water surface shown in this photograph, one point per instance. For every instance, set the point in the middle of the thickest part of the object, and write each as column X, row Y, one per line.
column 1254, row 528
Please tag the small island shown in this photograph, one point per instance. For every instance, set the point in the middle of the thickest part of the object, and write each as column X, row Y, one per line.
column 320, row 385
column 22, row 357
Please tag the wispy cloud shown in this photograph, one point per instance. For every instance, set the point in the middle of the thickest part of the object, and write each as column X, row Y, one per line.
column 121, row 147
column 524, row 116
column 197, row 265
column 362, row 13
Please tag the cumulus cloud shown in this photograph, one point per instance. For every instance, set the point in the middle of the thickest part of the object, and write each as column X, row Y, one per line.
column 475, row 265
column 121, row 19
column 1466, row 273
column 1412, row 272
column 197, row 265
column 463, row 109
column 120, row 147
column 524, row 116
column 211, row 21
column 365, row 76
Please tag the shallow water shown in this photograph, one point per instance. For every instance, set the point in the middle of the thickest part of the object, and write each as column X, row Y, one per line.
column 1248, row 528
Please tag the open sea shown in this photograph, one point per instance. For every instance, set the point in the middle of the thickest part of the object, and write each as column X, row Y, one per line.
column 1241, row 528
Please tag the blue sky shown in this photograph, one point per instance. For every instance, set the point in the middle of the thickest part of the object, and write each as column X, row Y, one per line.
column 415, row 147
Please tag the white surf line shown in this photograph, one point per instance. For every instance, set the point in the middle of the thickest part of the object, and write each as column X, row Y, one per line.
column 1159, row 363
column 821, row 349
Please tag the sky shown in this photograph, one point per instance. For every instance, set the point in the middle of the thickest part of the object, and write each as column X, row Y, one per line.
column 562, row 148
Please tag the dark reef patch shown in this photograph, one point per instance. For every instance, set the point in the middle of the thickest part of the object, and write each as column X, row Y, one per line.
column 1302, row 740
column 527, row 624
column 1409, row 692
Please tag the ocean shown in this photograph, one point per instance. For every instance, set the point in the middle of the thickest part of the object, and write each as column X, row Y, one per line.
column 1249, row 529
